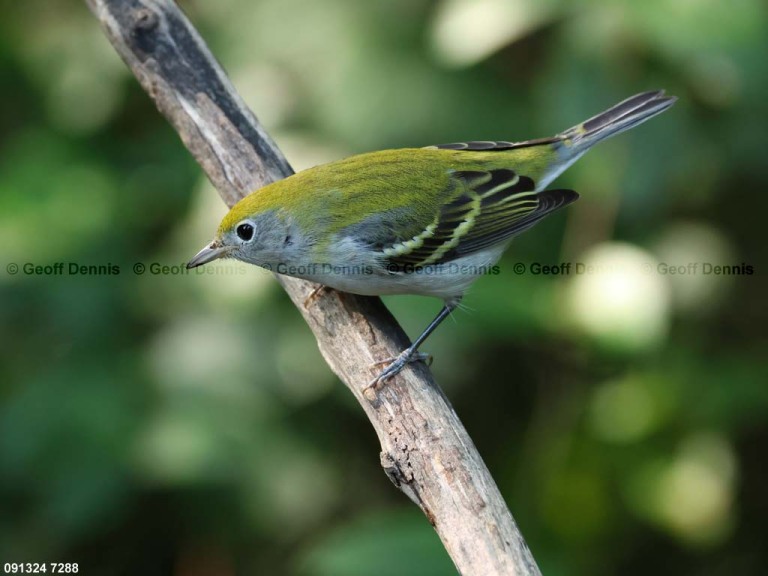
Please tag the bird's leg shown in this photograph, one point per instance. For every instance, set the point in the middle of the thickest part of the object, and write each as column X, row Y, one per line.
column 316, row 291
column 411, row 354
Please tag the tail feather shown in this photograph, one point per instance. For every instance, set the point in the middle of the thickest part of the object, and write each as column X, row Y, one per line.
column 617, row 119
column 567, row 147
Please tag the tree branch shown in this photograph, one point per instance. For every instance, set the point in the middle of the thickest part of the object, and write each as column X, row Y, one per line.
column 426, row 452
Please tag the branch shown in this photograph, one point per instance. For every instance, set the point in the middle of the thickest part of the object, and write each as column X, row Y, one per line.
column 426, row 452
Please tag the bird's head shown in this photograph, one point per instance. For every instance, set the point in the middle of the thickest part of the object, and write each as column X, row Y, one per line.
column 253, row 232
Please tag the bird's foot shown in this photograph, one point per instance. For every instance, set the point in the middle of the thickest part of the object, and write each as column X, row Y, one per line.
column 316, row 291
column 396, row 364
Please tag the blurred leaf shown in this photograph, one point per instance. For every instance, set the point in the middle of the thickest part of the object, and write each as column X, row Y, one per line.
column 381, row 544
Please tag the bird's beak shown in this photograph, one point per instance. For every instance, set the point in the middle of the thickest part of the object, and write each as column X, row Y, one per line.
column 212, row 252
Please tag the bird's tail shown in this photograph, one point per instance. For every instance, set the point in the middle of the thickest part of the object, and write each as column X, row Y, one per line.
column 617, row 119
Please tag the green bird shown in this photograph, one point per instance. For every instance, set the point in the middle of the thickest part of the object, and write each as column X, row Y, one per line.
column 426, row 221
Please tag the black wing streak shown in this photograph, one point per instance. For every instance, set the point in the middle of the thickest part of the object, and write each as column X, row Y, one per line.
column 498, row 145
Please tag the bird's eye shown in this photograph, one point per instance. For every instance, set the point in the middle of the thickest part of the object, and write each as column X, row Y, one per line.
column 244, row 231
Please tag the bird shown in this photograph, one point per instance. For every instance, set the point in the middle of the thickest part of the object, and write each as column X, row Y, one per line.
column 428, row 221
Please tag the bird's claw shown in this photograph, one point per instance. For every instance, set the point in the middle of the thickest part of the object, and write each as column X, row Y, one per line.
column 316, row 291
column 395, row 365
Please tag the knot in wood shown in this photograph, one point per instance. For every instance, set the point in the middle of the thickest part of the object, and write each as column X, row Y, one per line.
column 144, row 20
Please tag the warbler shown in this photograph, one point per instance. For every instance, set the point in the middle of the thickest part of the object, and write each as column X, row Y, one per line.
column 425, row 221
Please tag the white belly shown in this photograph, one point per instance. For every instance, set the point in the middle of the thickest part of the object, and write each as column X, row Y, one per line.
column 444, row 281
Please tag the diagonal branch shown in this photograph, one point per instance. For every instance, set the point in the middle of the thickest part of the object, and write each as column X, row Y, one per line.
column 426, row 452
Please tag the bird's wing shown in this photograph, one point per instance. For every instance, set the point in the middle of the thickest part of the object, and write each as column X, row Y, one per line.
column 488, row 208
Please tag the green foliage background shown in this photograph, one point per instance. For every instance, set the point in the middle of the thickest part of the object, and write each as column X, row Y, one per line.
column 186, row 424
